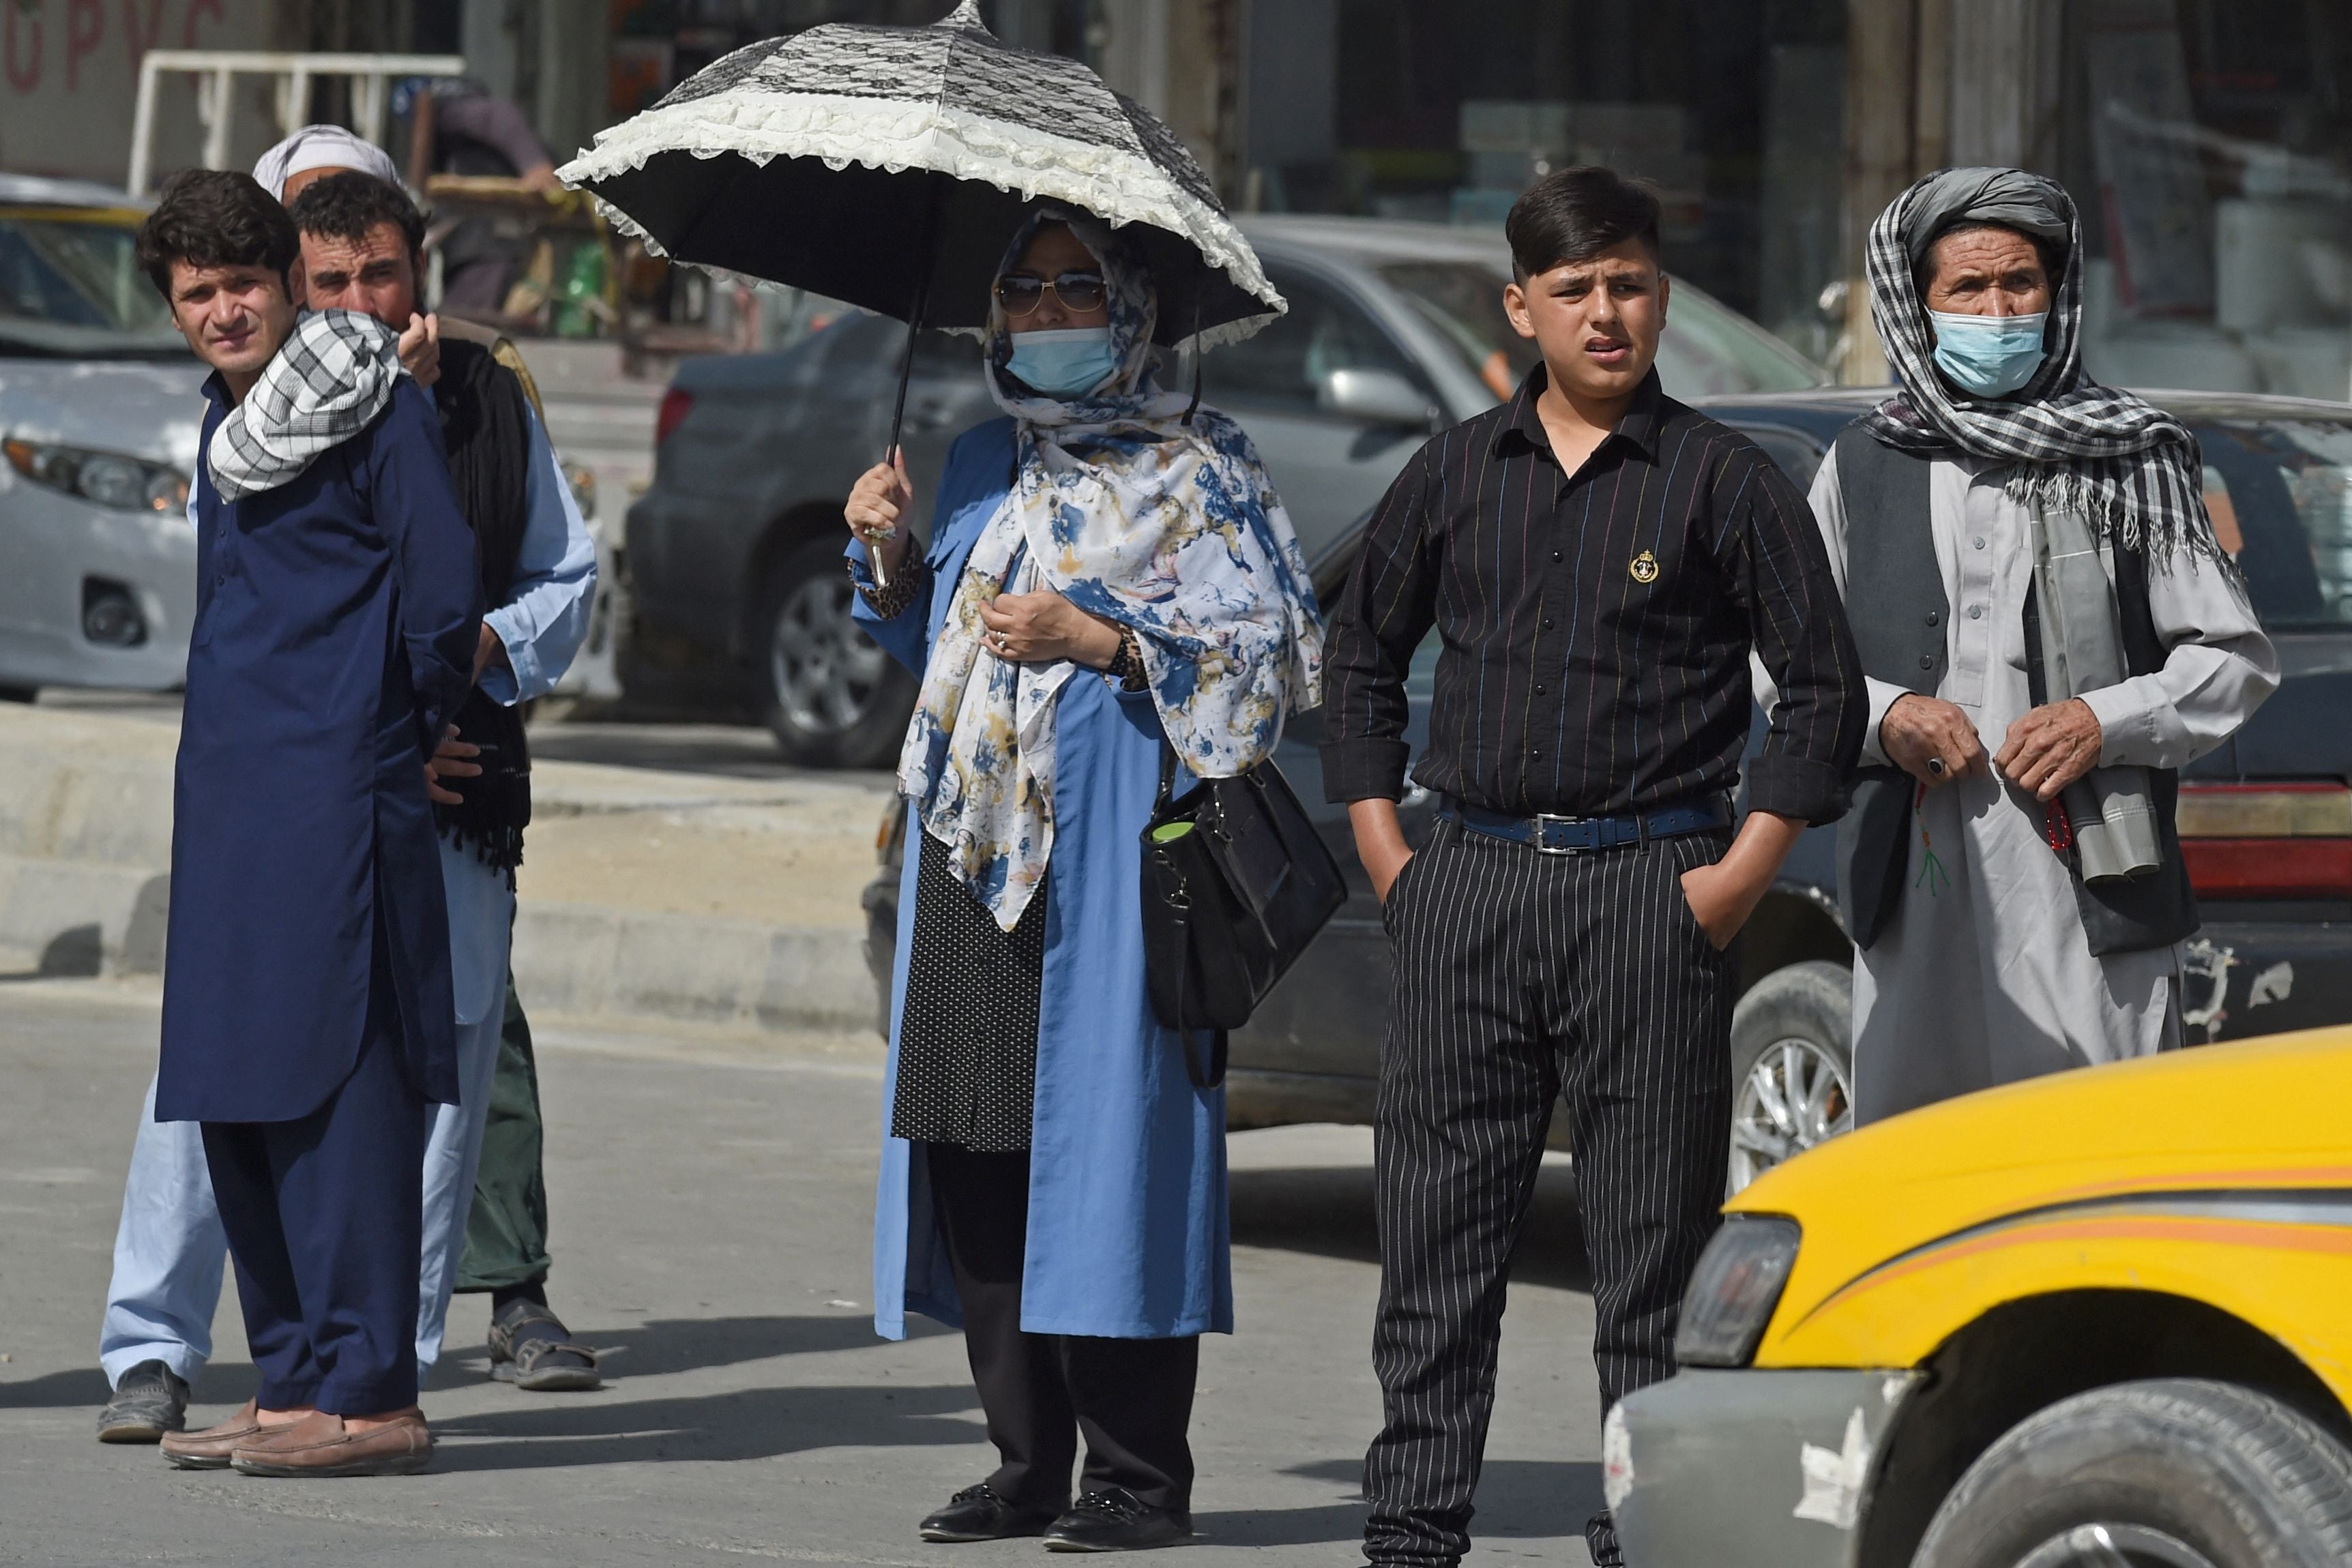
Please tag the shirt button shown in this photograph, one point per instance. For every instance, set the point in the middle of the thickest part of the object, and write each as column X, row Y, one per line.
column 1555, row 555
column 1979, row 542
column 1926, row 661
column 1976, row 611
column 1539, row 691
column 1547, row 622
column 1933, row 617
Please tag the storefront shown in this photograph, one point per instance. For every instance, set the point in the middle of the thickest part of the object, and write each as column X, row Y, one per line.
column 2208, row 140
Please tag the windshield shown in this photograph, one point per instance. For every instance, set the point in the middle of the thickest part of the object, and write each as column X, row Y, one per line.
column 2280, row 493
column 70, row 284
column 1705, row 347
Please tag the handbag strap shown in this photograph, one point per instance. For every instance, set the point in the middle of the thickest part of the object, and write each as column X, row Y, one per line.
column 1167, row 774
column 1214, row 1074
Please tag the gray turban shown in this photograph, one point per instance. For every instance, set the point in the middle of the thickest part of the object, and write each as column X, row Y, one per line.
column 2010, row 197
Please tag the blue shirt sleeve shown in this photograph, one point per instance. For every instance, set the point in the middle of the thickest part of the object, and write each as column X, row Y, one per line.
column 545, row 617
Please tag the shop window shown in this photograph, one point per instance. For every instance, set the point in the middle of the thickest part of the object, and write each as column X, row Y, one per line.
column 1284, row 366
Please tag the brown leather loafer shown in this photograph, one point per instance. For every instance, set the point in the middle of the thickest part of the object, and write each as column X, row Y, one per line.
column 210, row 1448
column 325, row 1445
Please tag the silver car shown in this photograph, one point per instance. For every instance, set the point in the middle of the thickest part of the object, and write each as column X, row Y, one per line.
column 100, row 415
column 740, row 600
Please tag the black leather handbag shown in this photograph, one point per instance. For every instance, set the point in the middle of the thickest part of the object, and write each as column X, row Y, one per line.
column 1236, row 883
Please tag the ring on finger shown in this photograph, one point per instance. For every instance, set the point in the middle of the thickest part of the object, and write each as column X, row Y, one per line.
column 1935, row 765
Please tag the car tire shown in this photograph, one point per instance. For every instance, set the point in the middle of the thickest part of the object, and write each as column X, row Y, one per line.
column 2178, row 1473
column 832, row 697
column 1794, row 1027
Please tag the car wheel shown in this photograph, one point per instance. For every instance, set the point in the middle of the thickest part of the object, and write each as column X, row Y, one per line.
column 1791, row 1066
column 833, row 698
column 2176, row 1473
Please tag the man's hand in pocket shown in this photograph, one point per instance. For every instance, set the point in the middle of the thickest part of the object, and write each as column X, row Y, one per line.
column 1722, row 895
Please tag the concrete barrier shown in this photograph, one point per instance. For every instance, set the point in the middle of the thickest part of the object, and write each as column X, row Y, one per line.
column 85, row 859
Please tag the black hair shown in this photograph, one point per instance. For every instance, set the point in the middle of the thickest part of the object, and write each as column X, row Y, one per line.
column 2051, row 255
column 349, row 205
column 1575, row 214
column 216, row 217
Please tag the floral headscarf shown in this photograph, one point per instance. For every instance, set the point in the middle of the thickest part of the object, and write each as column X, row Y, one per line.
column 1134, row 513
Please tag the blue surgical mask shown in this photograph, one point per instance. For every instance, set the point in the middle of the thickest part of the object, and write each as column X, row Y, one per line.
column 1063, row 363
column 1991, row 356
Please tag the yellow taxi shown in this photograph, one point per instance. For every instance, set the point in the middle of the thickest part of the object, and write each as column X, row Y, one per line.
column 2100, row 1319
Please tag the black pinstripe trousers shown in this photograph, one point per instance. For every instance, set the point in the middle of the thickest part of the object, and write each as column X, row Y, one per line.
column 1520, row 977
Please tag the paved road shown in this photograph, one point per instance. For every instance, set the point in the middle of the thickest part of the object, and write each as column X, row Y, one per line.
column 711, row 1199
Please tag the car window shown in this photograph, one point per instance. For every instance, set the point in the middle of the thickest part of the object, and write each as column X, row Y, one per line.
column 1799, row 455
column 1283, row 366
column 69, row 278
column 2280, row 494
column 1464, row 302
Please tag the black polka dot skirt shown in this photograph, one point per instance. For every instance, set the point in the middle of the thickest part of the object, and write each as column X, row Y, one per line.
column 968, row 1038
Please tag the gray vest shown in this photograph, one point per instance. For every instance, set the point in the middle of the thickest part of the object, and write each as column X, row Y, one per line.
column 1894, row 602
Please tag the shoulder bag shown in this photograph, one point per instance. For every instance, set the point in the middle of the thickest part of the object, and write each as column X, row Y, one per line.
column 1236, row 883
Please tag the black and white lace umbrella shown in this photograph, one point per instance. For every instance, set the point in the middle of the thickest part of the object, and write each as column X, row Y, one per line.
column 888, row 167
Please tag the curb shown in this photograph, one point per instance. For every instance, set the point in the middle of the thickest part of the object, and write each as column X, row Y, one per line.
column 588, row 961
column 86, row 830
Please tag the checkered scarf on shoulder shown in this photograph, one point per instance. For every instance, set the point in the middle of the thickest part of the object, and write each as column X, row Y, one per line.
column 2075, row 446
column 335, row 373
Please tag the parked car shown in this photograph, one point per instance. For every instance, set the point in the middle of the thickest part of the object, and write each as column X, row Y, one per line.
column 2265, row 820
column 100, row 415
column 2094, row 1319
column 736, row 579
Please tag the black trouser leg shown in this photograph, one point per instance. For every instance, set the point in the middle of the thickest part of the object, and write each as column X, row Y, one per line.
column 983, row 1207
column 1510, row 965
column 1132, row 1398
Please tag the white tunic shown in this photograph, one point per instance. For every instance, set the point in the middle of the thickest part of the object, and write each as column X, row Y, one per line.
column 1990, row 977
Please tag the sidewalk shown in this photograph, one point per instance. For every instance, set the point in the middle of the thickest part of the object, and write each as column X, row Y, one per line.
column 645, row 894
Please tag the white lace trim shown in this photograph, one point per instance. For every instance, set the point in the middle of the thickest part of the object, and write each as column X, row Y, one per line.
column 1118, row 186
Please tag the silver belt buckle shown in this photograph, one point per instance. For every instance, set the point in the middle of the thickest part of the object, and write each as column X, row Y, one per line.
column 1543, row 844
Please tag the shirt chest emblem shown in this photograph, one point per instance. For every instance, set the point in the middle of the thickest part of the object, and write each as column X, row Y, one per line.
column 1644, row 567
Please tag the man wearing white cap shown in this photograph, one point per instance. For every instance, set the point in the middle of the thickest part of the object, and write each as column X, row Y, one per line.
column 170, row 1248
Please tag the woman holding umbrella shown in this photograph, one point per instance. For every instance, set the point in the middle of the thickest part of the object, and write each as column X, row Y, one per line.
column 1109, row 574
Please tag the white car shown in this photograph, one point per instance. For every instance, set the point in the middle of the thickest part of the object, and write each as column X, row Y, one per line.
column 100, row 414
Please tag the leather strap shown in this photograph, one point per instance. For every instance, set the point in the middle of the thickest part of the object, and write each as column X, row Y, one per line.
column 1581, row 835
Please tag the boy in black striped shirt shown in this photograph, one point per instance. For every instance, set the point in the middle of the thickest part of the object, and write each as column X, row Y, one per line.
column 1600, row 561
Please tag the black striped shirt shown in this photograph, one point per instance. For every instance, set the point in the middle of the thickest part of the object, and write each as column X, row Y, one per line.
column 1596, row 626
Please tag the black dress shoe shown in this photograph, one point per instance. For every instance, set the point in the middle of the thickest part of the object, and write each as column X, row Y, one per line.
column 977, row 1514
column 1117, row 1520
column 150, row 1401
column 1600, row 1539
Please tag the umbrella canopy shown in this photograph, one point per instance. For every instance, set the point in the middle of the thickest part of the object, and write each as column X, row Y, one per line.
column 888, row 167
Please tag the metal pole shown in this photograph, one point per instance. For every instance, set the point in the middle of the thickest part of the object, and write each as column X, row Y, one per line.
column 142, row 126
column 914, row 330
column 217, row 123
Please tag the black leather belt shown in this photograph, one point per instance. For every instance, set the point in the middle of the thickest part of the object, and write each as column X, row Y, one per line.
column 1579, row 835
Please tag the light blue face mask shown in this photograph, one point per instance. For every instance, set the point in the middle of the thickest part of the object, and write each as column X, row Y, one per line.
column 1991, row 356
column 1063, row 363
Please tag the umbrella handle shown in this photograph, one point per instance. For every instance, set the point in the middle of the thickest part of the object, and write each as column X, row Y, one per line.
column 906, row 360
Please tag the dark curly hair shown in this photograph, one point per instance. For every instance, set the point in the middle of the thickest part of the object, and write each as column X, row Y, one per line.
column 216, row 217
column 350, row 205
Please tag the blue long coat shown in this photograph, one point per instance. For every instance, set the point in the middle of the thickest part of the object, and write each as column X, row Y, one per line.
column 336, row 619
column 1127, row 1230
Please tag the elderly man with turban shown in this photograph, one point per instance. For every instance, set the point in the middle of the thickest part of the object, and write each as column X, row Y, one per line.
column 2049, row 630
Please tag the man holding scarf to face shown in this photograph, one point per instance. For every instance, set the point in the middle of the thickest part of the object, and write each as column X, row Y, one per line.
column 2050, row 629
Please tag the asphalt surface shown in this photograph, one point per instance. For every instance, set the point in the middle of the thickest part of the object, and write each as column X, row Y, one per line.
column 712, row 1203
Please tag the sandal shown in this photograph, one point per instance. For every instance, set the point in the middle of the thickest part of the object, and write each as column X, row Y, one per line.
column 530, row 1348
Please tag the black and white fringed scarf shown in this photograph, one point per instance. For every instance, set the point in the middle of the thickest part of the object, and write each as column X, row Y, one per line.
column 335, row 372
column 2128, row 466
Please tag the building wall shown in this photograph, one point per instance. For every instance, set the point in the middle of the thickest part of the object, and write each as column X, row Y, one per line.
column 68, row 73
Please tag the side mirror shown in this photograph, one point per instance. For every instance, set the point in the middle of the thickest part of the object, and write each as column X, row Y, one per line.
column 1376, row 397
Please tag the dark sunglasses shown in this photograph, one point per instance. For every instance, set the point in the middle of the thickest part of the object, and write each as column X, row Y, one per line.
column 1020, row 294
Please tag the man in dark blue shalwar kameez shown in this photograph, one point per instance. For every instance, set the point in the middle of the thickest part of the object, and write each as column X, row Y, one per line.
column 306, row 1004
